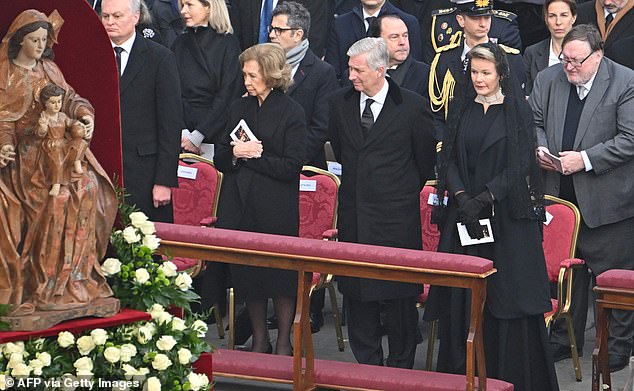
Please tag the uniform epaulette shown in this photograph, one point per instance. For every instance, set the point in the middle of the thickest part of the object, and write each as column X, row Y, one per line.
column 444, row 11
column 504, row 15
column 509, row 49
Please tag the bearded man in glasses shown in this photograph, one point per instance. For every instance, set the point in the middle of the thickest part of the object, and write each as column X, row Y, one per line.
column 584, row 113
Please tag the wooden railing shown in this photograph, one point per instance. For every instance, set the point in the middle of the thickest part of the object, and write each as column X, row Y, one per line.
column 344, row 259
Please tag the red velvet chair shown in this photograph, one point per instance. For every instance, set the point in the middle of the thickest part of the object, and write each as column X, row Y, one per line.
column 560, row 242
column 431, row 237
column 318, row 220
column 195, row 202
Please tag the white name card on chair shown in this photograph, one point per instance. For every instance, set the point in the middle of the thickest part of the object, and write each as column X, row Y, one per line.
column 334, row 168
column 549, row 218
column 307, row 185
column 187, row 172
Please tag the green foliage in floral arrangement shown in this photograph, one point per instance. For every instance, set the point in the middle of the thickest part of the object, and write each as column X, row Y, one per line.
column 150, row 356
column 137, row 276
column 4, row 310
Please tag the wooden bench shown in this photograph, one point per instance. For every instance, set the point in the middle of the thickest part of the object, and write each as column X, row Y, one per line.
column 346, row 259
column 615, row 290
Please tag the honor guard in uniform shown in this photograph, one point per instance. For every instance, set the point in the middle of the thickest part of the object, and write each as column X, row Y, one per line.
column 443, row 27
column 448, row 65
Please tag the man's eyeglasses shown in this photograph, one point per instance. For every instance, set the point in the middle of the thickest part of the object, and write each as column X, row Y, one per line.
column 574, row 63
column 280, row 30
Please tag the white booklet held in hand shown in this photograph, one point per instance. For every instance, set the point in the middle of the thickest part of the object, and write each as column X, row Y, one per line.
column 466, row 240
column 242, row 132
column 555, row 160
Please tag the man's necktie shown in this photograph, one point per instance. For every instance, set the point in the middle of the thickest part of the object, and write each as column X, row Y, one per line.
column 369, row 19
column 367, row 118
column 117, row 55
column 608, row 20
column 265, row 21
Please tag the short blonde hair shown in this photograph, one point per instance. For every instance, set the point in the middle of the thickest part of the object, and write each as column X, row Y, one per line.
column 271, row 59
column 218, row 15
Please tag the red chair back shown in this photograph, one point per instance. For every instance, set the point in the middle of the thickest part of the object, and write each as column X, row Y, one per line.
column 197, row 198
column 560, row 235
column 431, row 235
column 318, row 208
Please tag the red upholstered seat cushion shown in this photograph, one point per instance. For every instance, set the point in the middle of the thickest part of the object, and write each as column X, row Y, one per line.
column 555, row 305
column 325, row 249
column 204, row 364
column 431, row 235
column 344, row 374
column 184, row 263
column 193, row 200
column 558, row 235
column 616, row 278
column 268, row 366
column 317, row 208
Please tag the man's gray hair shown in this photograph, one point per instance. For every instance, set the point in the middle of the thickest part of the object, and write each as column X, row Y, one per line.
column 298, row 16
column 376, row 49
column 135, row 6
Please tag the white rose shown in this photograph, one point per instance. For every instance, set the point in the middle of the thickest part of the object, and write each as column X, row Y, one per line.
column 178, row 324
column 147, row 228
column 83, row 366
column 184, row 356
column 14, row 359
column 39, row 343
column 152, row 384
column 166, row 343
column 99, row 336
column 128, row 371
column 168, row 268
column 144, row 334
column 151, row 242
column 200, row 327
column 183, row 281
column 3, row 382
column 44, row 357
column 13, row 347
column 111, row 266
column 161, row 362
column 85, row 345
column 112, row 354
column 36, row 366
column 165, row 317
column 142, row 371
column 127, row 352
column 138, row 218
column 156, row 310
column 197, row 381
column 141, row 275
column 65, row 339
column 21, row 369
column 130, row 235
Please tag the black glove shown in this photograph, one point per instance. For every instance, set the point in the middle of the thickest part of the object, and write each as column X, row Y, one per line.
column 471, row 207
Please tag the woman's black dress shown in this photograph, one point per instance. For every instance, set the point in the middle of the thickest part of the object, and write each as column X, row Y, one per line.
column 515, row 339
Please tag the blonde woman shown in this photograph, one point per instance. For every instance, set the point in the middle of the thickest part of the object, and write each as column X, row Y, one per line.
column 207, row 58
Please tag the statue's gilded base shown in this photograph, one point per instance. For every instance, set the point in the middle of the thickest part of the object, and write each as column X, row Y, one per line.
column 40, row 320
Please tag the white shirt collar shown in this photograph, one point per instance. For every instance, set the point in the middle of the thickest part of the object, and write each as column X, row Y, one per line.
column 465, row 50
column 367, row 15
column 584, row 89
column 127, row 45
column 553, row 58
column 379, row 97
column 605, row 13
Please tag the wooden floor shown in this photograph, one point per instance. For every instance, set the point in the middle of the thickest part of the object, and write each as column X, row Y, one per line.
column 325, row 345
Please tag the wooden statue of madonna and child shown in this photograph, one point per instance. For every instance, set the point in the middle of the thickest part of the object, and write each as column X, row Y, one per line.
column 57, row 203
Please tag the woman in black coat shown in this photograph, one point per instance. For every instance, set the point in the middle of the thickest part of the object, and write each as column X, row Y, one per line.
column 559, row 16
column 488, row 163
column 260, row 190
column 207, row 58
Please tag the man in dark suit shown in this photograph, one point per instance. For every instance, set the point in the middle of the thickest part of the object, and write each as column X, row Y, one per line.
column 584, row 113
column 151, row 111
column 383, row 137
column 354, row 25
column 246, row 20
column 401, row 67
column 313, row 81
column 615, row 22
